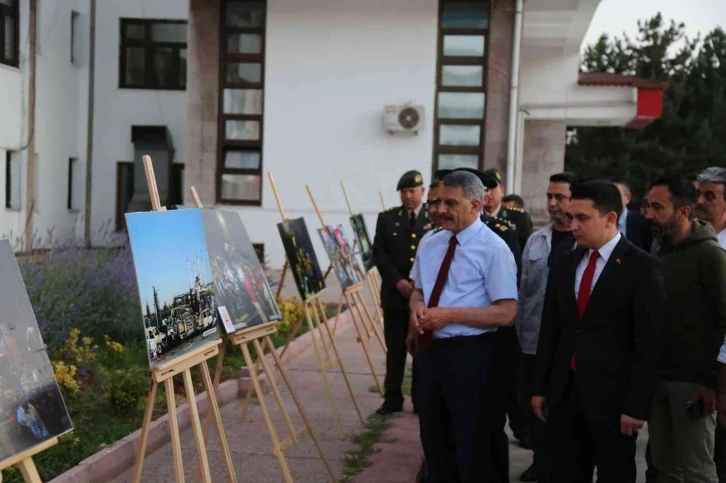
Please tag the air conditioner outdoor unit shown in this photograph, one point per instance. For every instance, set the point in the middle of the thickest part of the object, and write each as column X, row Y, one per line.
column 403, row 118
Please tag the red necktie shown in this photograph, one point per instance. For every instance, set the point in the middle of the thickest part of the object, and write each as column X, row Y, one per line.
column 583, row 294
column 424, row 340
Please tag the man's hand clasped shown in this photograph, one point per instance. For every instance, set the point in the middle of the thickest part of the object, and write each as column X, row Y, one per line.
column 424, row 318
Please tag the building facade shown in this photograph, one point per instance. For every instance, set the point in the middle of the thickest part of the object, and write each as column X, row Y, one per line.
column 221, row 92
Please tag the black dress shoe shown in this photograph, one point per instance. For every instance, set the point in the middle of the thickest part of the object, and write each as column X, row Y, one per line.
column 388, row 409
column 526, row 442
column 530, row 474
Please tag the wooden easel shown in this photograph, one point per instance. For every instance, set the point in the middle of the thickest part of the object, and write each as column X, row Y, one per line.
column 317, row 321
column 354, row 298
column 165, row 373
column 253, row 335
column 24, row 462
column 372, row 274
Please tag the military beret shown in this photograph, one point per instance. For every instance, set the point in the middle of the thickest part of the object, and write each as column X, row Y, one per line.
column 410, row 179
column 487, row 180
column 495, row 174
column 439, row 174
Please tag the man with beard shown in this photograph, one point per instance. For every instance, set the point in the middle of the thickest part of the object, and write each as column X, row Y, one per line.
column 683, row 423
column 398, row 233
column 541, row 247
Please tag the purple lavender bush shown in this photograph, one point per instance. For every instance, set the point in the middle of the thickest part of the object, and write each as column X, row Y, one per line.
column 93, row 290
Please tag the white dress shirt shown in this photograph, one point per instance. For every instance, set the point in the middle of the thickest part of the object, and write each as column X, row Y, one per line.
column 605, row 251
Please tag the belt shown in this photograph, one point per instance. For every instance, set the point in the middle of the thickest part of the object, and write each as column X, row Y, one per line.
column 460, row 340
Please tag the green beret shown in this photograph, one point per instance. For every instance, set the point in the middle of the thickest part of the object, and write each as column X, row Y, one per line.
column 495, row 174
column 439, row 174
column 487, row 180
column 410, row 179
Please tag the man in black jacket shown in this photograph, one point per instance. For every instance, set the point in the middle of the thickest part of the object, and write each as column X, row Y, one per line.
column 597, row 353
column 398, row 232
column 631, row 223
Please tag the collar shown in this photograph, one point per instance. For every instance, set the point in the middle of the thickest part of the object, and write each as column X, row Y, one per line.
column 623, row 217
column 417, row 210
column 607, row 249
column 496, row 211
column 467, row 233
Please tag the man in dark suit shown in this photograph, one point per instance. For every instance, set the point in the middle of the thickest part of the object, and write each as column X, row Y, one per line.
column 632, row 223
column 598, row 346
column 398, row 233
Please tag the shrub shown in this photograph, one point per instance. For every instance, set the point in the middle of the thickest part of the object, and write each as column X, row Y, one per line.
column 125, row 391
column 73, row 287
column 66, row 376
column 292, row 311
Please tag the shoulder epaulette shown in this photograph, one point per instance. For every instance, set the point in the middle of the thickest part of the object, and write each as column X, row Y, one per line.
column 501, row 227
column 517, row 209
column 389, row 210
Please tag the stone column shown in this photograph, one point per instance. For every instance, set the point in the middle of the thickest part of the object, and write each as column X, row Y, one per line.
column 203, row 100
column 499, row 71
column 543, row 156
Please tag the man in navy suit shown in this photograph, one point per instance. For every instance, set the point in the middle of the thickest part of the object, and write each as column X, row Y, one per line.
column 598, row 345
column 632, row 223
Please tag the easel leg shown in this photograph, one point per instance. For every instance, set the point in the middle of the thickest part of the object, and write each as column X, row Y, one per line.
column 316, row 320
column 150, row 398
column 215, row 414
column 322, row 367
column 337, row 316
column 197, row 425
column 29, row 471
column 277, row 451
column 300, row 409
column 294, row 332
column 371, row 322
column 275, row 390
column 282, row 281
column 342, row 367
column 250, row 392
column 363, row 343
column 174, row 430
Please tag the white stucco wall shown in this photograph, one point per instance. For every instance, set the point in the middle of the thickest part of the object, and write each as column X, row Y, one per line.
column 331, row 67
column 118, row 109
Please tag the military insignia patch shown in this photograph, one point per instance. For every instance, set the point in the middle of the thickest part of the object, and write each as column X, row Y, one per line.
column 418, row 178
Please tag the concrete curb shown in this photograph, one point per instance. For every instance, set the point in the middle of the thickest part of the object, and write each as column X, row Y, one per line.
column 118, row 457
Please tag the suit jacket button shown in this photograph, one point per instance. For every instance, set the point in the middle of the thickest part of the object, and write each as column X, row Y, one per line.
column 411, row 259
column 413, row 247
column 413, row 235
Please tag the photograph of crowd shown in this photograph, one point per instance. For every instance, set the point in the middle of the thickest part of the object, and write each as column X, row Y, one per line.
column 179, row 309
column 340, row 255
column 365, row 247
column 301, row 256
column 32, row 406
column 240, row 283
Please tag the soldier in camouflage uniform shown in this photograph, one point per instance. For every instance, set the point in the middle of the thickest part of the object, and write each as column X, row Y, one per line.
column 398, row 233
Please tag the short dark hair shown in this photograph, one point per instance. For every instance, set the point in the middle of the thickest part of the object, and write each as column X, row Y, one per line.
column 435, row 184
column 564, row 177
column 605, row 196
column 620, row 180
column 515, row 198
column 682, row 191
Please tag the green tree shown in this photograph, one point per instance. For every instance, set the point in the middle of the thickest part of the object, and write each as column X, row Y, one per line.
column 691, row 134
column 157, row 309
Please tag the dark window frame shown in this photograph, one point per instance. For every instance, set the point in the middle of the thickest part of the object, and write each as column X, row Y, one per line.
column 8, row 180
column 121, row 210
column 13, row 12
column 474, row 61
column 149, row 46
column 224, row 144
column 75, row 18
column 69, row 201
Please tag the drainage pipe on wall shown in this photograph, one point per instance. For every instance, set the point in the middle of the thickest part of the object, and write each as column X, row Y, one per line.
column 514, row 95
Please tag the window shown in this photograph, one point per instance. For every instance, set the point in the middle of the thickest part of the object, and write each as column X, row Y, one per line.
column 461, row 84
column 242, row 79
column 75, row 22
column 75, row 188
column 12, row 181
column 9, row 32
column 153, row 54
column 124, row 191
